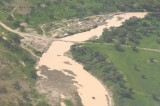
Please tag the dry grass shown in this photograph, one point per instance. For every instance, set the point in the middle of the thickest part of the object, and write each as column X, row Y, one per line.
column 23, row 7
column 23, row 11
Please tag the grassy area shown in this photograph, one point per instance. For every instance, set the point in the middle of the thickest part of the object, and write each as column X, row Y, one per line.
column 131, row 73
column 76, row 101
column 68, row 102
column 143, row 88
column 17, row 73
column 43, row 11
column 135, row 32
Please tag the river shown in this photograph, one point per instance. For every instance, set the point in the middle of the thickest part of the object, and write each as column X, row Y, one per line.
column 88, row 86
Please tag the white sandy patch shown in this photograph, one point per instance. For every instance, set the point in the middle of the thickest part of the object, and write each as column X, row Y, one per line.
column 4, row 38
column 62, row 104
column 91, row 91
column 41, row 75
column 62, row 96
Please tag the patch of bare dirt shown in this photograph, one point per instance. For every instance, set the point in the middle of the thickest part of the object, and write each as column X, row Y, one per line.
column 21, row 3
column 55, row 85
column 23, row 11
column 76, row 25
column 22, row 7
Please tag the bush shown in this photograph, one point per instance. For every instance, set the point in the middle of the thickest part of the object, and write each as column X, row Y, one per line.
column 17, row 24
column 158, row 41
column 134, row 48
column 33, row 74
column 118, row 47
column 3, row 90
column 17, row 86
column 10, row 18
column 155, row 97
column 25, row 96
column 42, row 103
column 22, row 28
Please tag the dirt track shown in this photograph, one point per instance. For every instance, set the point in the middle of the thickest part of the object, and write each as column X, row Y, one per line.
column 88, row 87
column 54, row 61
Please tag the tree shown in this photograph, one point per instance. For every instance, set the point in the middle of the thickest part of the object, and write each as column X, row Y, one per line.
column 118, row 47
column 95, row 11
column 38, row 4
column 16, row 39
column 144, row 77
column 135, row 68
column 134, row 48
column 155, row 97
column 125, row 93
column 1, row 3
column 101, row 57
column 17, row 86
column 108, row 39
column 27, row 20
column 42, row 103
column 132, row 21
column 48, row 3
column 17, row 24
column 158, row 41
column 22, row 28
column 3, row 90
column 33, row 74
column 122, row 40
column 151, row 60
column 8, row 1
column 20, row 102
column 32, row 13
column 10, row 18
column 25, row 96
column 51, row 16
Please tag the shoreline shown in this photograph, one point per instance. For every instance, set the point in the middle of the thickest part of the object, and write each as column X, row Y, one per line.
column 56, row 62
column 106, row 88
column 52, row 61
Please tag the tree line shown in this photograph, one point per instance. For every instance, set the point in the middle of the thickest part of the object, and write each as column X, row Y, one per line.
column 133, row 31
column 98, row 63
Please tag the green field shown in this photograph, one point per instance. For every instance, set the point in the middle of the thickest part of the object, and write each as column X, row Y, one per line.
column 144, row 80
column 125, row 62
column 131, row 72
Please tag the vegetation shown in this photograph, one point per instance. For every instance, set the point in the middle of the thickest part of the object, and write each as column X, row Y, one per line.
column 135, row 32
column 100, row 65
column 68, row 102
column 76, row 101
column 130, row 72
column 126, row 65
column 17, row 73
column 35, row 12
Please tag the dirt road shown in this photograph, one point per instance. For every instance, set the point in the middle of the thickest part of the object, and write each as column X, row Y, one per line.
column 91, row 91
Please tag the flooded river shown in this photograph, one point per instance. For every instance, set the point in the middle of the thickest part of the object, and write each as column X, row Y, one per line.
column 91, row 91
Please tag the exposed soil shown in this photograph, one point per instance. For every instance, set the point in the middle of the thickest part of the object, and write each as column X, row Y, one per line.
column 67, row 76
column 22, row 7
column 69, row 27
column 55, row 85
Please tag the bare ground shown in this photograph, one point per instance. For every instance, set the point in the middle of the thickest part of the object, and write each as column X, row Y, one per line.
column 55, row 85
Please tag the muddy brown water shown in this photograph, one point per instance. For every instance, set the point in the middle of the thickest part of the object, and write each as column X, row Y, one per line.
column 91, row 90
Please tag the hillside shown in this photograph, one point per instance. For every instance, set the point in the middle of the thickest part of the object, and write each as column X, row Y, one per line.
column 36, row 12
column 126, row 59
column 17, row 73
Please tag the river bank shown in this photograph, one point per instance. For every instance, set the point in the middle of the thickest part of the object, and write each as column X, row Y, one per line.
column 55, row 59
column 91, row 91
